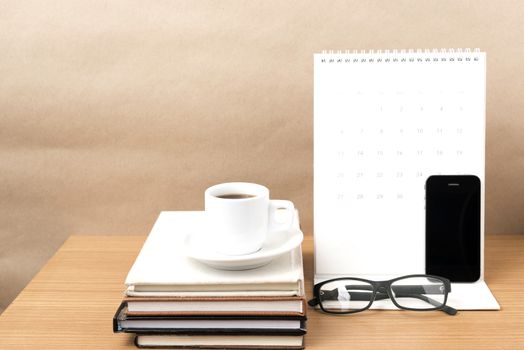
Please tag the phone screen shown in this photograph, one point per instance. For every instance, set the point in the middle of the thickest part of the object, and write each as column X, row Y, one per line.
column 453, row 227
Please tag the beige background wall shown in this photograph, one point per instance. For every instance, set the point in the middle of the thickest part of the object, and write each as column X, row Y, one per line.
column 111, row 111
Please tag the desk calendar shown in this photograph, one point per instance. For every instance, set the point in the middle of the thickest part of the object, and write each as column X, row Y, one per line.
column 383, row 123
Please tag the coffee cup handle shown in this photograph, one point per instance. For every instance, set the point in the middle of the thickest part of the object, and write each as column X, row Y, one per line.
column 274, row 206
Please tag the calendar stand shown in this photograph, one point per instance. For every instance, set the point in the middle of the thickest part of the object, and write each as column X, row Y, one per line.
column 383, row 123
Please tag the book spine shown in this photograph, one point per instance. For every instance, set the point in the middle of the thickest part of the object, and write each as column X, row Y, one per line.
column 116, row 323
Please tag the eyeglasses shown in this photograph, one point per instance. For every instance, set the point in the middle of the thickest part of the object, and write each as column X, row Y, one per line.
column 413, row 292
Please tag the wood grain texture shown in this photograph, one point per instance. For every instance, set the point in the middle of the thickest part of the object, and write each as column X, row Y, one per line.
column 71, row 302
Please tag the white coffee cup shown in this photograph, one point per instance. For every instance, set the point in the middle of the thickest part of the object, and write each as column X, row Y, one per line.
column 239, row 216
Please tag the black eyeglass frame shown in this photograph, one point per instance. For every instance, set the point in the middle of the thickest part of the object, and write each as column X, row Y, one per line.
column 389, row 293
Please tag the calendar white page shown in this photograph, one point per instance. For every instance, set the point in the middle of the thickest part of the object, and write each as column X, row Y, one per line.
column 383, row 123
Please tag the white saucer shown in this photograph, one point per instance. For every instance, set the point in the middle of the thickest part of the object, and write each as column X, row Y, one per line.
column 276, row 244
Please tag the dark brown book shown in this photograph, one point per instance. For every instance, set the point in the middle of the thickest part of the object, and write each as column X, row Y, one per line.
column 195, row 324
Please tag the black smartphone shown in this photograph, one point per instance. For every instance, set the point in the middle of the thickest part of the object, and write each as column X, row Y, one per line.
column 453, row 227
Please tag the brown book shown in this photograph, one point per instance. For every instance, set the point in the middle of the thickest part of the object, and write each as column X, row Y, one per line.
column 277, row 306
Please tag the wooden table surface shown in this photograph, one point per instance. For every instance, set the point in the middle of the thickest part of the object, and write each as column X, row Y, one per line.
column 71, row 302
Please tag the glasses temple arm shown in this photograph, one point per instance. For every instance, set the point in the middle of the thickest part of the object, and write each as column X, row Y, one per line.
column 362, row 296
column 419, row 289
column 447, row 309
column 400, row 291
column 333, row 295
column 313, row 302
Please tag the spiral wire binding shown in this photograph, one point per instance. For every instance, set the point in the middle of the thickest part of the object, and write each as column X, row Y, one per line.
column 402, row 55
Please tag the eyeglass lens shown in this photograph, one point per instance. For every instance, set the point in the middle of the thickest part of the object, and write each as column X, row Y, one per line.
column 420, row 293
column 345, row 295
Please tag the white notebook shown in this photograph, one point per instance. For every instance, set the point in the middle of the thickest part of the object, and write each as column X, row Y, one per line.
column 237, row 341
column 162, row 269
column 383, row 123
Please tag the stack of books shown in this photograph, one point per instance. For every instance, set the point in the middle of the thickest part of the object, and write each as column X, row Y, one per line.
column 173, row 301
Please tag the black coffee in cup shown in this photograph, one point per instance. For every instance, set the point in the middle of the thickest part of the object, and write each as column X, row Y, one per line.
column 236, row 196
